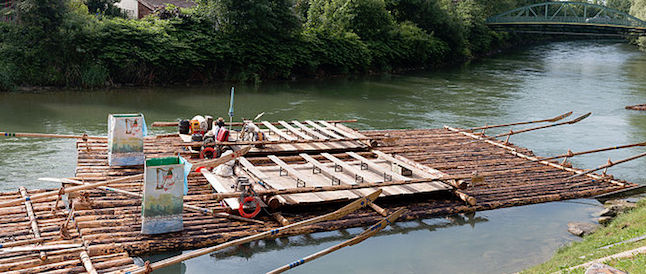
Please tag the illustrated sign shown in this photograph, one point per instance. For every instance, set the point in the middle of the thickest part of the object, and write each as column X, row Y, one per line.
column 126, row 139
column 163, row 200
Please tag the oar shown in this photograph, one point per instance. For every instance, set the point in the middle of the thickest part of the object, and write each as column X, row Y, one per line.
column 133, row 194
column 511, row 132
column 571, row 154
column 40, row 196
column 359, row 203
column 609, row 164
column 359, row 238
column 557, row 118
column 47, row 135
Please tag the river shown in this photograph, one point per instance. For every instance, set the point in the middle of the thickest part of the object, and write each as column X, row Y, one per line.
column 529, row 83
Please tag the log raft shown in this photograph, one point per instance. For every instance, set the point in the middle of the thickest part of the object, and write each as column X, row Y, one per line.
column 431, row 172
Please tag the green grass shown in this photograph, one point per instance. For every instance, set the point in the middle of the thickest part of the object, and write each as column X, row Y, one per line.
column 626, row 226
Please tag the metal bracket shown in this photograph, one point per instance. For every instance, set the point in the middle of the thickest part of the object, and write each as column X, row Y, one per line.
column 364, row 166
column 387, row 177
column 300, row 183
column 316, row 170
column 338, row 168
column 281, row 170
column 358, row 178
column 336, row 181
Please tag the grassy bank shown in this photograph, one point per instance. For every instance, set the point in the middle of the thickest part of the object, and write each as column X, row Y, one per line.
column 626, row 226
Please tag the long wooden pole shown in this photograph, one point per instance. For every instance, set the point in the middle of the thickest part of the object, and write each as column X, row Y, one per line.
column 40, row 196
column 513, row 151
column 138, row 195
column 557, row 118
column 359, row 203
column 610, row 164
column 359, row 238
column 511, row 132
column 47, row 135
column 571, row 154
column 32, row 219
column 298, row 141
column 235, row 124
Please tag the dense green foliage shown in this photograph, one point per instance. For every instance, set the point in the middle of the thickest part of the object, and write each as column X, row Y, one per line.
column 75, row 43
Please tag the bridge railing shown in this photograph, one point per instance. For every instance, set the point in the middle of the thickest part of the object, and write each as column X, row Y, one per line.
column 565, row 19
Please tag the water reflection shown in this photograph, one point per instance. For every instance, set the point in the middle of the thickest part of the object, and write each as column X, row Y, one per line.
column 317, row 240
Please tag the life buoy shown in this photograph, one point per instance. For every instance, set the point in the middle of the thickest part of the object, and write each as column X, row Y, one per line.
column 199, row 169
column 255, row 211
column 208, row 149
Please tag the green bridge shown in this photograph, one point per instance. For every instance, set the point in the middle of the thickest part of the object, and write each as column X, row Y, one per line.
column 569, row 18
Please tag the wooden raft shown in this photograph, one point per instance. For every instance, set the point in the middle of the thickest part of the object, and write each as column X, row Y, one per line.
column 107, row 224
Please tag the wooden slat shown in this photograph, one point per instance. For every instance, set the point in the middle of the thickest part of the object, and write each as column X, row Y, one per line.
column 278, row 131
column 367, row 176
column 219, row 185
column 276, row 184
column 324, row 130
column 310, row 131
column 393, row 176
column 295, row 131
column 311, row 180
column 342, row 132
column 378, row 168
column 342, row 177
column 392, row 159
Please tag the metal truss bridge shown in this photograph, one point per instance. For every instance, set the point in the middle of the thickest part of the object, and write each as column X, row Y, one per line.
column 569, row 18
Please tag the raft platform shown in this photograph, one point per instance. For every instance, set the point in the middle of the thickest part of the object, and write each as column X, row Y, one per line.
column 424, row 170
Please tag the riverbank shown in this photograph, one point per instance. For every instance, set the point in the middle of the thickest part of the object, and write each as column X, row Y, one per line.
column 626, row 226
column 64, row 44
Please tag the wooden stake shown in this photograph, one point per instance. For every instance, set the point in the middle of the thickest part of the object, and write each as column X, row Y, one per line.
column 359, row 238
column 359, row 203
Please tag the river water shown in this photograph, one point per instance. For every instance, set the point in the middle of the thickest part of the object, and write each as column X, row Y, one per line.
column 530, row 83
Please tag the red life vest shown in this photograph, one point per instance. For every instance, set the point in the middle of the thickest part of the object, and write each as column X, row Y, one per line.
column 223, row 135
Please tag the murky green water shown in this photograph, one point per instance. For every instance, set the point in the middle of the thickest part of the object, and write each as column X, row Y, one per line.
column 537, row 82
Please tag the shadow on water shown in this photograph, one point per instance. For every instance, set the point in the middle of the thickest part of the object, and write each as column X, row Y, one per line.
column 247, row 251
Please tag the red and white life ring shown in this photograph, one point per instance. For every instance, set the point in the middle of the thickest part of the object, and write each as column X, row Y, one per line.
column 255, row 211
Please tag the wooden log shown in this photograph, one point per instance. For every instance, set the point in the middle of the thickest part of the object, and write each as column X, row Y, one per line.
column 279, row 217
column 278, row 131
column 359, row 203
column 464, row 197
column 277, row 142
column 359, row 238
column 38, row 248
column 571, row 154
